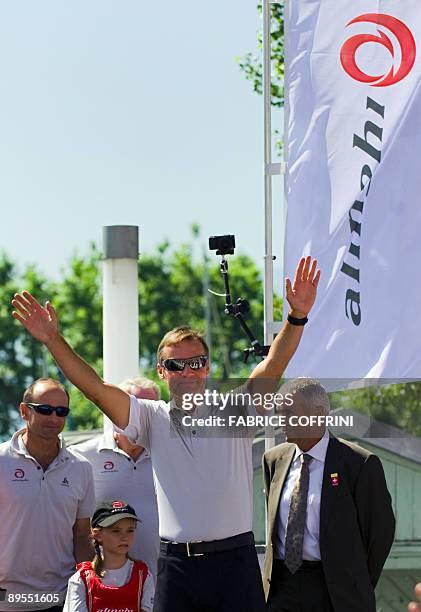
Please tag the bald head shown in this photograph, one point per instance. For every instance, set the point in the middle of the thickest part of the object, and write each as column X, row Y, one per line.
column 40, row 386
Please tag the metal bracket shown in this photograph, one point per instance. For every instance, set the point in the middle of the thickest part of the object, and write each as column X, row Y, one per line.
column 273, row 169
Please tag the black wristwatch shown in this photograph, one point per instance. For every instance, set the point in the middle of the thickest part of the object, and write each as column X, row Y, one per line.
column 295, row 321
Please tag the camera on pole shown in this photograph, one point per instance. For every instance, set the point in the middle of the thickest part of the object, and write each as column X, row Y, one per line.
column 225, row 245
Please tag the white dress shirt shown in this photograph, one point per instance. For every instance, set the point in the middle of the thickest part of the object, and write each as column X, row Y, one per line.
column 311, row 548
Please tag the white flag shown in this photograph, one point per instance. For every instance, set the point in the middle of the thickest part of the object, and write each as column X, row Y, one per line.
column 354, row 182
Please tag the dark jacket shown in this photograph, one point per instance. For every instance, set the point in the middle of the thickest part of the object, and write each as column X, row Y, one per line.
column 357, row 523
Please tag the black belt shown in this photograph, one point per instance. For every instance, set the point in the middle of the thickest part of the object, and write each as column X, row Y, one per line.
column 198, row 549
column 304, row 564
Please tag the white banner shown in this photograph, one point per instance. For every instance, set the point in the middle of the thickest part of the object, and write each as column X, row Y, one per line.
column 353, row 145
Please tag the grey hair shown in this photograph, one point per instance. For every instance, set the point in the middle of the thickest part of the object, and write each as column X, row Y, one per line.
column 310, row 390
column 142, row 382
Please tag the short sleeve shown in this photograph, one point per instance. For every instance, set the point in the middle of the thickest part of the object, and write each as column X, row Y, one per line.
column 148, row 594
column 86, row 505
column 76, row 595
column 138, row 428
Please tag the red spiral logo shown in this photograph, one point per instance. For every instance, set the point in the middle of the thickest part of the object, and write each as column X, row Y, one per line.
column 403, row 36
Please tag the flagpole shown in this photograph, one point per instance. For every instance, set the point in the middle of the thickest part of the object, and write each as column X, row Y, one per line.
column 270, row 169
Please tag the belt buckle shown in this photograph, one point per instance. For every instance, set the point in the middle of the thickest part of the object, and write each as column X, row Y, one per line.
column 189, row 554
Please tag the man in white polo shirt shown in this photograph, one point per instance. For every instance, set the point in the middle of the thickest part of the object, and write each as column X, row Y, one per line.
column 123, row 470
column 46, row 501
column 204, row 484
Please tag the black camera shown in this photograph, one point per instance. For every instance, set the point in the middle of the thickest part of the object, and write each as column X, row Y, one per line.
column 223, row 245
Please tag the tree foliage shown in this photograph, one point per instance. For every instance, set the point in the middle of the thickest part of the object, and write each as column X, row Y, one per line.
column 78, row 301
column 251, row 64
column 21, row 358
column 396, row 404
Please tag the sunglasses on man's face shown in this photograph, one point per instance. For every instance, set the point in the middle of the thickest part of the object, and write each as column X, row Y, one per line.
column 47, row 410
column 178, row 365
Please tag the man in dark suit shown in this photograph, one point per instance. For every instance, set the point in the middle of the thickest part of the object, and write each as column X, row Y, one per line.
column 330, row 518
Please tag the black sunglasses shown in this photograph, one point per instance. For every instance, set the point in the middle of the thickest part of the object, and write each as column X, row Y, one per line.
column 47, row 410
column 178, row 365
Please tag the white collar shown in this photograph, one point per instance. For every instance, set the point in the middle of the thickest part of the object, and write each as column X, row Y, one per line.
column 17, row 445
column 318, row 451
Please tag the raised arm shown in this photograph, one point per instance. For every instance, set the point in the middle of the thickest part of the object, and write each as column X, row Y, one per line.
column 301, row 295
column 42, row 324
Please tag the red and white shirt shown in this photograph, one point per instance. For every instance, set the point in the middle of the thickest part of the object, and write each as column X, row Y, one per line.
column 127, row 589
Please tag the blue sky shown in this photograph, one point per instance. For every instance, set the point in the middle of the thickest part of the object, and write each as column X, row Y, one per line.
column 124, row 112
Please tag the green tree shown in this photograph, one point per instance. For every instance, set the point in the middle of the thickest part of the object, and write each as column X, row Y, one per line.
column 396, row 404
column 13, row 372
column 78, row 300
column 251, row 64
column 252, row 67
column 21, row 358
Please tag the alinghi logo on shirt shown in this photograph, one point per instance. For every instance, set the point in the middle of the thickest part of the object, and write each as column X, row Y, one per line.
column 115, row 610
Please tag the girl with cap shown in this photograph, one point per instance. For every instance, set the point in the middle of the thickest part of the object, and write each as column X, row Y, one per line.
column 112, row 582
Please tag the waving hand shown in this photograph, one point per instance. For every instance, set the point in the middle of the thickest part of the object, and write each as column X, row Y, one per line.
column 41, row 322
column 302, row 292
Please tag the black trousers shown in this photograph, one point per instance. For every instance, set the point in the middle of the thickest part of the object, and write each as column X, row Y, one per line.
column 228, row 581
column 304, row 591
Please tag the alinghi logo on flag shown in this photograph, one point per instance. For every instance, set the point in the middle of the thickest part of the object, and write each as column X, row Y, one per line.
column 397, row 39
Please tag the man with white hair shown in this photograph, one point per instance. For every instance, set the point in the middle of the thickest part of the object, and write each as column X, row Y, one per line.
column 123, row 470
column 330, row 518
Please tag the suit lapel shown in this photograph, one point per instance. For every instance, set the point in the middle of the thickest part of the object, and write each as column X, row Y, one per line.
column 276, row 485
column 331, row 488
